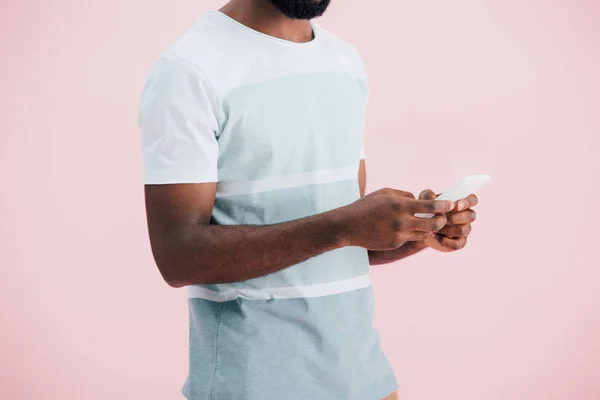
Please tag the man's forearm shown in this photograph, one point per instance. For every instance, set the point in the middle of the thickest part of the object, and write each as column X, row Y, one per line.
column 388, row 256
column 208, row 254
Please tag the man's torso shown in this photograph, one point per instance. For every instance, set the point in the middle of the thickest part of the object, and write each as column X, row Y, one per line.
column 289, row 123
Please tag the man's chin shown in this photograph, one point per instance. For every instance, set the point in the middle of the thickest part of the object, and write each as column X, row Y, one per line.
column 301, row 9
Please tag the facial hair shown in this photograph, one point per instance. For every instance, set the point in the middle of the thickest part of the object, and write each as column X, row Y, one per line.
column 301, row 9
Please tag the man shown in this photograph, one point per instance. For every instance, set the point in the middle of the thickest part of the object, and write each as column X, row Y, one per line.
column 254, row 170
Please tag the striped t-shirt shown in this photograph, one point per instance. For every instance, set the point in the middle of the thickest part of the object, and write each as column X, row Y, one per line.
column 279, row 126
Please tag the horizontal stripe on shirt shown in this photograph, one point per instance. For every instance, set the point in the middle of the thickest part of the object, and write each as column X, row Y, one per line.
column 286, row 182
column 289, row 292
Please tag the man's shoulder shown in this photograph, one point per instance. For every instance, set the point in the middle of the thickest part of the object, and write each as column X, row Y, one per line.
column 343, row 47
column 334, row 40
column 205, row 43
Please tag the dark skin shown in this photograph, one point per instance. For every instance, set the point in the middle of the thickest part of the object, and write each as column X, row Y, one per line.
column 189, row 250
column 452, row 237
column 263, row 17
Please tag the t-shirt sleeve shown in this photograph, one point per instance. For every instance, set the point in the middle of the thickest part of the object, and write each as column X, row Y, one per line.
column 363, row 155
column 178, row 117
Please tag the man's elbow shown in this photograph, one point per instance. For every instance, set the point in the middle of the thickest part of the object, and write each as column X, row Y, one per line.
column 174, row 281
column 178, row 273
column 169, row 272
column 180, row 265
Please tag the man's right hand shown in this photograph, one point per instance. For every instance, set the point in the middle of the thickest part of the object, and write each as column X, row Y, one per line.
column 189, row 250
column 385, row 220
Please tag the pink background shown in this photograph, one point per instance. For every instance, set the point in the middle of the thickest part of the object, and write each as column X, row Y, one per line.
column 506, row 87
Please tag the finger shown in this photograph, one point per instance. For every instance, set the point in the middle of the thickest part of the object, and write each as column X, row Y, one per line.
column 433, row 224
column 403, row 193
column 468, row 202
column 456, row 231
column 461, row 217
column 416, row 236
column 430, row 206
column 449, row 243
column 427, row 194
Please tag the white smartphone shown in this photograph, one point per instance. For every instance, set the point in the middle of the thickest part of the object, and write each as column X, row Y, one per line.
column 461, row 189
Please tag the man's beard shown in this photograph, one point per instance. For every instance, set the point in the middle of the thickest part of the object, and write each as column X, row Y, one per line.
column 301, row 9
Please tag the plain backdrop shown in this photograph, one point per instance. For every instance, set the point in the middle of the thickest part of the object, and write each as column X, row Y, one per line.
column 505, row 87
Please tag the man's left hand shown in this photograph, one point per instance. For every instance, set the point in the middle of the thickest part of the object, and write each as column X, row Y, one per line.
column 453, row 236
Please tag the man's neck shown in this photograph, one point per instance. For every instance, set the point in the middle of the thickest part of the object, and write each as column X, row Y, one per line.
column 264, row 17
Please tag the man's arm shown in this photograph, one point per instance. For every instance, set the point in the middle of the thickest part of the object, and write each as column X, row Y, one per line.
column 189, row 250
column 387, row 256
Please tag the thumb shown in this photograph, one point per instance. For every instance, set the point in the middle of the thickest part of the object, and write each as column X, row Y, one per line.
column 427, row 194
column 404, row 193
